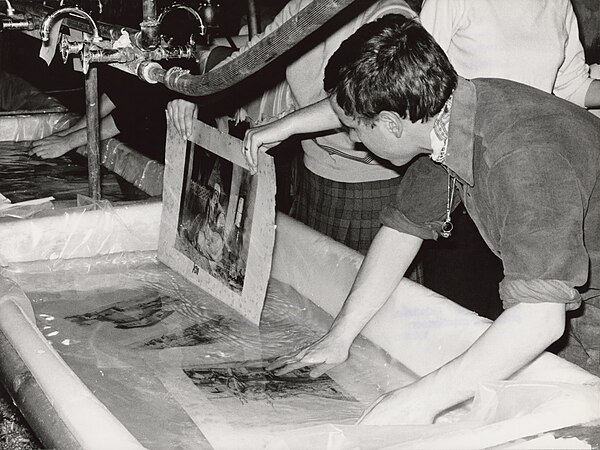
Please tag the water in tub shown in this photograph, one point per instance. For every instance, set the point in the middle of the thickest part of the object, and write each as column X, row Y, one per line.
column 182, row 370
column 23, row 177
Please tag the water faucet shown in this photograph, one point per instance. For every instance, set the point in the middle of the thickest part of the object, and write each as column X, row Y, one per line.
column 193, row 12
column 49, row 22
column 10, row 11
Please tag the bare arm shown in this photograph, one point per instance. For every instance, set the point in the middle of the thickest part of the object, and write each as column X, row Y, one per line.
column 517, row 337
column 55, row 146
column 310, row 119
column 106, row 106
column 384, row 266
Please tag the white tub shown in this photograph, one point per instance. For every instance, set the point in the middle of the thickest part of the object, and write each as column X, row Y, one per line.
column 64, row 413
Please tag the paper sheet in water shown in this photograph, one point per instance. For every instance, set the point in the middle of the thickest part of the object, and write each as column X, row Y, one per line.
column 218, row 221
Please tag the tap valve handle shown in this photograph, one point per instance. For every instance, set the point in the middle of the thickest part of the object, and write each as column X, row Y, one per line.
column 69, row 48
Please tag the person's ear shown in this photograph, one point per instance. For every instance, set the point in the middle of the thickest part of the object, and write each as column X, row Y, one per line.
column 392, row 122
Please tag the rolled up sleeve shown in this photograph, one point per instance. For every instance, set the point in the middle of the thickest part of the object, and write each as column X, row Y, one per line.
column 539, row 213
column 420, row 204
column 538, row 291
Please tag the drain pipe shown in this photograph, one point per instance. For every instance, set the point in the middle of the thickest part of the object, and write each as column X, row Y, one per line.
column 253, row 27
column 93, row 133
column 308, row 20
column 150, row 36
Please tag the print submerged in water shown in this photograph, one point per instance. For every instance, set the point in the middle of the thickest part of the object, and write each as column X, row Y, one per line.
column 249, row 382
column 198, row 334
column 136, row 313
column 212, row 223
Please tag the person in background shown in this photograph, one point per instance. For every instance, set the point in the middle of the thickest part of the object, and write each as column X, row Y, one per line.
column 128, row 107
column 75, row 136
column 526, row 165
column 534, row 42
column 343, row 186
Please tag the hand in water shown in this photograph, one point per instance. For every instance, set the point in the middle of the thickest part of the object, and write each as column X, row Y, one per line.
column 324, row 354
column 50, row 147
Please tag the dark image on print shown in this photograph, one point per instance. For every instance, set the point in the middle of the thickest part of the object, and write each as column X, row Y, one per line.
column 251, row 383
column 136, row 313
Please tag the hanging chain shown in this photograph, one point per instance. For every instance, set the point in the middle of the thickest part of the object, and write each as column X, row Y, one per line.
column 447, row 225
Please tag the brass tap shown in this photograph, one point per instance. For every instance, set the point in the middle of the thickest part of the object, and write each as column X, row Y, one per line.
column 51, row 19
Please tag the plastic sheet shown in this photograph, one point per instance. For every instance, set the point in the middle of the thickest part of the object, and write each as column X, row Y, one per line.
column 141, row 171
column 25, row 178
column 181, row 370
column 175, row 365
column 57, row 238
column 30, row 114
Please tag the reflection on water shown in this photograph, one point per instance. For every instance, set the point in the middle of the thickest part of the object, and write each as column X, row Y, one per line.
column 23, row 177
column 177, row 367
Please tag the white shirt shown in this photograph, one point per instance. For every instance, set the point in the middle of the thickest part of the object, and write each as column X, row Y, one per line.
column 534, row 42
column 333, row 156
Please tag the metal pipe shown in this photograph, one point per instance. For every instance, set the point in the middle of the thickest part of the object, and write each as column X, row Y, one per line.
column 93, row 133
column 253, row 25
column 38, row 12
column 12, row 23
column 49, row 22
column 150, row 38
column 298, row 27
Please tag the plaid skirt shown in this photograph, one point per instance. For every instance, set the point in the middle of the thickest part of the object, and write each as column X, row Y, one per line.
column 347, row 212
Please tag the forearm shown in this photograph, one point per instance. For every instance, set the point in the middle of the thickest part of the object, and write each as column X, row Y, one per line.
column 311, row 119
column 79, row 137
column 384, row 266
column 106, row 106
column 516, row 338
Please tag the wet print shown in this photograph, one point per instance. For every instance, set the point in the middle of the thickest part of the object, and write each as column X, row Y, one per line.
column 135, row 313
column 197, row 334
column 213, row 226
column 249, row 384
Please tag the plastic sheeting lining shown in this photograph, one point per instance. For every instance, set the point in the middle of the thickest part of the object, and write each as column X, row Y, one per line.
column 29, row 113
column 25, row 178
column 181, row 370
column 144, row 173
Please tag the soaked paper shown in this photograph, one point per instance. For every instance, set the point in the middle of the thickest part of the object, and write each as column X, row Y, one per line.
column 218, row 221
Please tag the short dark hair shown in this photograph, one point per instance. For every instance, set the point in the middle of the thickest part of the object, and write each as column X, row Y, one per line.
column 392, row 64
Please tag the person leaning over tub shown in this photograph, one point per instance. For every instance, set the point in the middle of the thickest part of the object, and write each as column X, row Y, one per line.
column 535, row 42
column 526, row 165
column 343, row 188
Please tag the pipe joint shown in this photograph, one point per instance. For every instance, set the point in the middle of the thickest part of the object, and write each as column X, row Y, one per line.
column 12, row 23
column 150, row 71
column 172, row 77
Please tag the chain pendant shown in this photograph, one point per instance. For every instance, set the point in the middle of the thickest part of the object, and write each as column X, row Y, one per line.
column 446, row 229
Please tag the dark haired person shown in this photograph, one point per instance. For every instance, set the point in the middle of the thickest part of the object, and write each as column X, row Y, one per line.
column 524, row 163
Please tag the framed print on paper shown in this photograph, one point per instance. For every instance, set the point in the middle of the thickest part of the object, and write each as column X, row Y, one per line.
column 218, row 220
